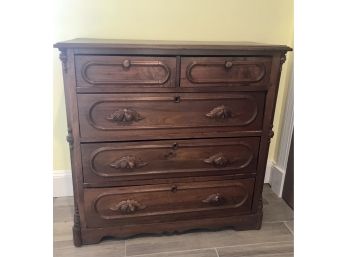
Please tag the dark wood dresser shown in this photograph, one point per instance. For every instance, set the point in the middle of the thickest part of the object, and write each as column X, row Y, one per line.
column 168, row 136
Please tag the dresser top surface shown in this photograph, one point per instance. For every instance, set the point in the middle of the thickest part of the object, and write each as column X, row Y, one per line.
column 163, row 44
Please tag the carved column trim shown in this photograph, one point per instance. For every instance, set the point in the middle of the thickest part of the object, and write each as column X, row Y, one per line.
column 70, row 139
column 64, row 59
column 77, row 228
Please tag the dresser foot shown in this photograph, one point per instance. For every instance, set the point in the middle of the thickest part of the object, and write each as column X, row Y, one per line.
column 77, row 228
column 77, row 236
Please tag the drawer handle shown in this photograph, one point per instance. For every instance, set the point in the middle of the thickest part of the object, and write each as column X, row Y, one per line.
column 126, row 64
column 177, row 99
column 124, row 116
column 228, row 64
column 220, row 113
column 128, row 162
column 218, row 160
column 214, row 199
column 128, row 207
column 174, row 188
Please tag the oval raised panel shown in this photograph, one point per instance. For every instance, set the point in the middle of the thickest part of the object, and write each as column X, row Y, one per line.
column 193, row 109
column 189, row 157
column 201, row 72
column 142, row 69
column 189, row 199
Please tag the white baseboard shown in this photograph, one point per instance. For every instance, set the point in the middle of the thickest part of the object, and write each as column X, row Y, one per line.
column 62, row 183
column 276, row 180
column 269, row 166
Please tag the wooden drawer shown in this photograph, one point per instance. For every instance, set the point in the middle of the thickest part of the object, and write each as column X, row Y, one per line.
column 163, row 116
column 167, row 202
column 224, row 71
column 111, row 73
column 105, row 162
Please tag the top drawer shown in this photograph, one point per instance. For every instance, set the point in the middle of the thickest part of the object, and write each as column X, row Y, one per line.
column 102, row 73
column 225, row 71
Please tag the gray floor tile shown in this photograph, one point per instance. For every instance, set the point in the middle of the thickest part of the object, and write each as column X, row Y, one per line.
column 270, row 232
column 269, row 195
column 63, row 201
column 267, row 249
column 63, row 213
column 103, row 249
column 277, row 211
column 62, row 231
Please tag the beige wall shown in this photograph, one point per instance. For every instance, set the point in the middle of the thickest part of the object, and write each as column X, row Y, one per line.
column 267, row 21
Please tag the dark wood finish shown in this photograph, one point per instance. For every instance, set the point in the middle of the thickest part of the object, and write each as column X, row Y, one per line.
column 210, row 104
column 288, row 190
column 165, row 114
column 224, row 71
column 107, row 162
column 100, row 72
column 166, row 202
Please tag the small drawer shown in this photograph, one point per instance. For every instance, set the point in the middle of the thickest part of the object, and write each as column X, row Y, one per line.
column 159, row 116
column 224, row 71
column 167, row 202
column 112, row 73
column 114, row 162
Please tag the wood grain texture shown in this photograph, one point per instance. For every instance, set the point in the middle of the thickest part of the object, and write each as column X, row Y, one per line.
column 163, row 114
column 166, row 202
column 224, row 71
column 167, row 159
column 128, row 101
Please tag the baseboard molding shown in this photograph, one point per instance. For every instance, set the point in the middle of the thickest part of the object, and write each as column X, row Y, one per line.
column 62, row 183
column 276, row 179
column 269, row 166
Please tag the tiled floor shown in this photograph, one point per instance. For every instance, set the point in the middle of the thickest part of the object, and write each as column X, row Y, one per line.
column 275, row 239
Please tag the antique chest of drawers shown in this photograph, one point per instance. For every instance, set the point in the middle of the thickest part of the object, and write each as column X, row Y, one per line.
column 168, row 136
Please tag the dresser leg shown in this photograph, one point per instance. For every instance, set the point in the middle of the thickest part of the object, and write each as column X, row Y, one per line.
column 77, row 229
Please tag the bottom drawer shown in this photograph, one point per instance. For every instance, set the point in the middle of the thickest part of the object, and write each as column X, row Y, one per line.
column 167, row 202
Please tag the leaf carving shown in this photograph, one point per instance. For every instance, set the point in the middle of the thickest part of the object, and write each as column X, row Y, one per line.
column 218, row 160
column 214, row 199
column 124, row 116
column 128, row 162
column 220, row 113
column 128, row 207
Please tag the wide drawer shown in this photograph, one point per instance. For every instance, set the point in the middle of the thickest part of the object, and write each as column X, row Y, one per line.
column 102, row 73
column 107, row 162
column 167, row 202
column 224, row 71
column 152, row 116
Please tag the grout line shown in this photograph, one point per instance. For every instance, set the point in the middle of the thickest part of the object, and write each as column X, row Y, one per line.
column 199, row 249
column 217, row 252
column 182, row 251
column 277, row 221
column 287, row 226
column 229, row 246
column 268, row 254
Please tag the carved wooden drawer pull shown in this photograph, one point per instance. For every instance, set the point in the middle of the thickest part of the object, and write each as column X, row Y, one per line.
column 128, row 207
column 218, row 160
column 228, row 64
column 220, row 113
column 214, row 199
column 124, row 116
column 128, row 162
column 126, row 64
